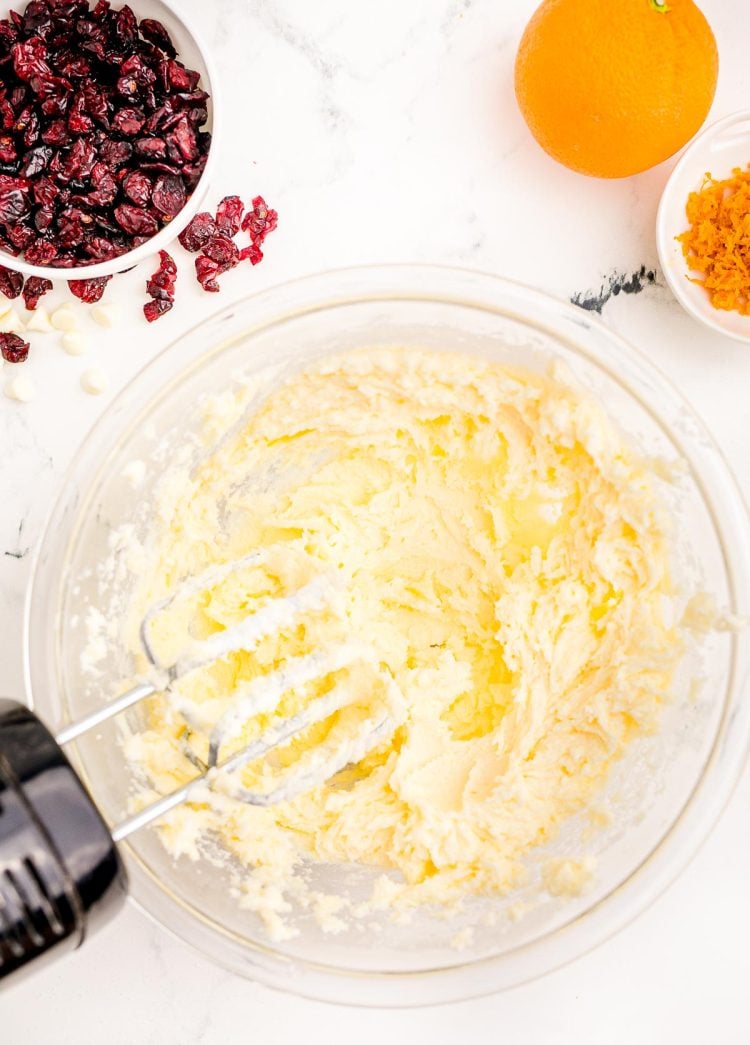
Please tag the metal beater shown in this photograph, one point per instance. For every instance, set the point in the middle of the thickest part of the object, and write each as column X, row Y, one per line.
column 60, row 872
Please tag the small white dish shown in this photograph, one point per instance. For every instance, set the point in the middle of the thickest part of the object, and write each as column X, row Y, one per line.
column 721, row 147
column 194, row 54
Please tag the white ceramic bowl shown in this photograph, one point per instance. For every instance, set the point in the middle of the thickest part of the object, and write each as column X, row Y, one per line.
column 720, row 148
column 194, row 55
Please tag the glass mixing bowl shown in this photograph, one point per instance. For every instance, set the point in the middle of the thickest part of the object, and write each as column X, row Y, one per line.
column 666, row 793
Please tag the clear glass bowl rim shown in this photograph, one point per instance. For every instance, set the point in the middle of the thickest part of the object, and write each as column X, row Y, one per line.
column 589, row 336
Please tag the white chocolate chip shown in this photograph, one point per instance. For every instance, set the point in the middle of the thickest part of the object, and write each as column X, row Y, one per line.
column 21, row 388
column 11, row 322
column 105, row 315
column 63, row 318
column 74, row 343
column 39, row 321
column 94, row 381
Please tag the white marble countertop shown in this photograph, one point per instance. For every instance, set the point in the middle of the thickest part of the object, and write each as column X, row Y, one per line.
column 388, row 132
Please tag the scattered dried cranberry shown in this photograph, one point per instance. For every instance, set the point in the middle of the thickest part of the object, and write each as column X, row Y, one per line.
column 97, row 116
column 260, row 220
column 223, row 250
column 89, row 290
column 11, row 283
column 229, row 215
column 34, row 288
column 252, row 253
column 13, row 348
column 206, row 272
column 160, row 288
column 200, row 230
column 214, row 237
column 153, row 309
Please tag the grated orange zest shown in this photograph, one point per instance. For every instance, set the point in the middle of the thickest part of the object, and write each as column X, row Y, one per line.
column 717, row 244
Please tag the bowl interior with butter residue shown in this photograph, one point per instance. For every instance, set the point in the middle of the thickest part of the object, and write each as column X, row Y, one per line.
column 663, row 795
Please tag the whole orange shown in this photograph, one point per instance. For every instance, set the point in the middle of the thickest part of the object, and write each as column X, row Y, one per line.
column 612, row 87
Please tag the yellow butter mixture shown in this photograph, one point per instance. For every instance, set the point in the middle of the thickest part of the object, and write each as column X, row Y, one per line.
column 490, row 552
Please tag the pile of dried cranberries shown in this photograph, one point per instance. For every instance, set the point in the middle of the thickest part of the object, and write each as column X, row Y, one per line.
column 101, row 140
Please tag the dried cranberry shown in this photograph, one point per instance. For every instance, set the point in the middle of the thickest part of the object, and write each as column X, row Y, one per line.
column 137, row 187
column 79, row 162
column 8, row 36
column 129, row 121
column 34, row 288
column 36, row 18
column 253, row 253
column 70, row 231
column 19, row 95
column 7, row 114
column 36, row 160
column 151, row 148
column 125, row 27
column 78, row 121
column 29, row 59
column 155, row 32
column 223, row 250
column 198, row 116
column 115, row 154
column 260, row 220
column 135, row 221
column 191, row 173
column 229, row 215
column 45, row 191
column 135, row 67
column 27, row 121
column 96, row 104
column 100, row 11
column 105, row 186
column 198, row 232
column 169, row 194
column 56, row 92
column 14, row 204
column 21, row 235
column 41, row 252
column 160, row 288
column 11, row 283
column 157, row 307
column 98, row 248
column 42, row 221
column 75, row 68
column 13, row 348
column 206, row 271
column 168, row 263
column 177, row 76
column 8, row 152
column 56, row 133
column 89, row 290
column 181, row 141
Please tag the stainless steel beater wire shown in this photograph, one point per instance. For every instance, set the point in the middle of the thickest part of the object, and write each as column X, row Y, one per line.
column 240, row 758
column 83, row 725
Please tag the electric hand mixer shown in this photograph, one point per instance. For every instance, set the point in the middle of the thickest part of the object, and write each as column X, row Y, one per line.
column 60, row 872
